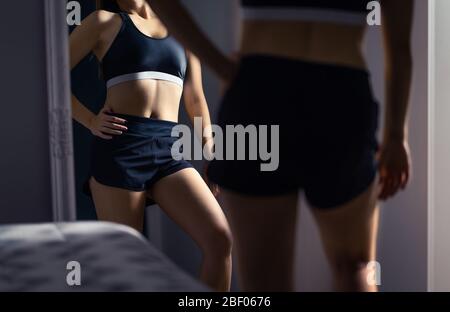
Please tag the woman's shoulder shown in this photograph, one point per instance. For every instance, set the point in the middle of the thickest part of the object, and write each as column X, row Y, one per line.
column 102, row 18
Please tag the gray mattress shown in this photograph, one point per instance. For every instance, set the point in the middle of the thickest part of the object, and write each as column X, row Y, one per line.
column 111, row 257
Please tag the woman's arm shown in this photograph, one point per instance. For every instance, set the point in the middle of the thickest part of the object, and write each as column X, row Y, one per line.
column 397, row 25
column 394, row 154
column 195, row 101
column 84, row 40
column 180, row 23
column 196, row 106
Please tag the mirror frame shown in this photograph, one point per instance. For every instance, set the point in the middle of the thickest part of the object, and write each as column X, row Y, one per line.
column 59, row 111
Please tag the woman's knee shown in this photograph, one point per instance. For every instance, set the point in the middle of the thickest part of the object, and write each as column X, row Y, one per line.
column 218, row 242
column 350, row 266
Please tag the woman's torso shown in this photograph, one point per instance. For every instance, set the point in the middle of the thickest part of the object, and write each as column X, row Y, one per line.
column 325, row 31
column 336, row 42
column 120, row 55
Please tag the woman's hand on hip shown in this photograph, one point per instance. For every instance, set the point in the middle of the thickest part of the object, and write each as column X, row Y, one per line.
column 106, row 126
column 394, row 167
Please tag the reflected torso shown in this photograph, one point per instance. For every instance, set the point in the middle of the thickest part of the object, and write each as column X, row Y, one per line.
column 333, row 43
column 148, row 98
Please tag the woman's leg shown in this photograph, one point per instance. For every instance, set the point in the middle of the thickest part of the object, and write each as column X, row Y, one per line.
column 118, row 205
column 349, row 234
column 264, row 234
column 186, row 199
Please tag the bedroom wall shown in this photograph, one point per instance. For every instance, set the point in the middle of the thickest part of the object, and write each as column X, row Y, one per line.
column 24, row 154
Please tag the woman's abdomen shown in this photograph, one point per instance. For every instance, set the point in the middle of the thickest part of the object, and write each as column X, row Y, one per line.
column 308, row 41
column 146, row 98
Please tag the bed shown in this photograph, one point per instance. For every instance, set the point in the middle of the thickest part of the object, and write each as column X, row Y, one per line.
column 85, row 256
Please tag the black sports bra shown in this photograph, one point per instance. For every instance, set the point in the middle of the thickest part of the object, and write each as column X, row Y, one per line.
column 134, row 56
column 337, row 11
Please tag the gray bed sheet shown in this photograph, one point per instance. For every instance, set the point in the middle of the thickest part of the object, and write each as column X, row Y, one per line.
column 111, row 257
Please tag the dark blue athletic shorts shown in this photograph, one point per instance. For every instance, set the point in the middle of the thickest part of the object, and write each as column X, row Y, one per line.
column 138, row 158
column 327, row 118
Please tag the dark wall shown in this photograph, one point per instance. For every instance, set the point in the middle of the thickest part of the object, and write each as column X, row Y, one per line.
column 25, row 189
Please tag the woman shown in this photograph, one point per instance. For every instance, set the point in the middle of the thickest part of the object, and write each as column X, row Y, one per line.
column 146, row 73
column 302, row 68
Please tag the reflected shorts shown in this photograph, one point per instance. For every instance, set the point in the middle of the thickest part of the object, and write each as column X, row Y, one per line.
column 138, row 158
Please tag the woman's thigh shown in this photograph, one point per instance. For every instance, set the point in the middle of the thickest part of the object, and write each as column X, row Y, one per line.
column 118, row 205
column 349, row 231
column 188, row 201
column 264, row 235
